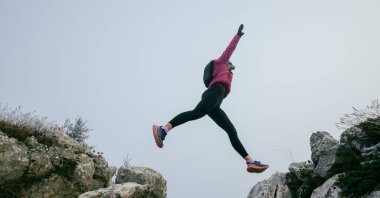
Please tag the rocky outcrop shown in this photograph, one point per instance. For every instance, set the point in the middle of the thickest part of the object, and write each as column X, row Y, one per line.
column 274, row 187
column 38, row 161
column 321, row 142
column 125, row 190
column 143, row 176
column 338, row 159
column 39, row 164
column 330, row 159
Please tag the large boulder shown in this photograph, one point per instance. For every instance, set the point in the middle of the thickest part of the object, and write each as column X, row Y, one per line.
column 125, row 190
column 14, row 159
column 274, row 187
column 328, row 189
column 143, row 176
column 337, row 160
column 321, row 142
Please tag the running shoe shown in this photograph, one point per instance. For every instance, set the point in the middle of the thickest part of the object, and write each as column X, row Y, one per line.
column 159, row 134
column 256, row 167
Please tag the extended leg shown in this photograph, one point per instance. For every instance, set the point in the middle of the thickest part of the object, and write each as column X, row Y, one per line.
column 221, row 119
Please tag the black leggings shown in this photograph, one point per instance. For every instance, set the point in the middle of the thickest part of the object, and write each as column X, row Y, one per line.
column 210, row 104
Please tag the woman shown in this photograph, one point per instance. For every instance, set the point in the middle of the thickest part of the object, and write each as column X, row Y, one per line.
column 218, row 89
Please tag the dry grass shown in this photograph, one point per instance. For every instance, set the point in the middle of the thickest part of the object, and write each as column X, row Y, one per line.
column 369, row 114
column 21, row 125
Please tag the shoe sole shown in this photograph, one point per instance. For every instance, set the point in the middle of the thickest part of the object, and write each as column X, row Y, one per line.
column 156, row 138
column 256, row 170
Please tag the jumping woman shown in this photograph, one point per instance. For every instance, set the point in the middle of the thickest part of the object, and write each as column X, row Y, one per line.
column 218, row 89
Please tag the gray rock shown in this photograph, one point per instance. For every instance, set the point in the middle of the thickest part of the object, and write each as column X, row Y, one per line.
column 274, row 187
column 293, row 183
column 305, row 174
column 14, row 159
column 102, row 170
column 53, row 186
column 355, row 138
column 125, row 190
column 374, row 194
column 142, row 175
column 304, row 171
column 304, row 191
column 337, row 160
column 40, row 164
column 327, row 190
column 84, row 173
column 321, row 142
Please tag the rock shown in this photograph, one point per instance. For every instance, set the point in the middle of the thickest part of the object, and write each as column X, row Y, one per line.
column 53, row 186
column 102, row 171
column 84, row 173
column 47, row 164
column 293, row 183
column 304, row 191
column 274, row 187
column 14, row 159
column 304, row 171
column 308, row 180
column 320, row 143
column 327, row 190
column 143, row 176
column 355, row 138
column 338, row 159
column 40, row 164
column 125, row 190
column 374, row 194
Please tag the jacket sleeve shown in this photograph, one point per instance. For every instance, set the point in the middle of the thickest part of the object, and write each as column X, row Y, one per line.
column 225, row 57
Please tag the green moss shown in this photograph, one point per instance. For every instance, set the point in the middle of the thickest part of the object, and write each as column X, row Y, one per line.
column 371, row 128
column 363, row 180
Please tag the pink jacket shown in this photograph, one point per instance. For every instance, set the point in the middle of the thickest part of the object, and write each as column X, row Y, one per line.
column 221, row 67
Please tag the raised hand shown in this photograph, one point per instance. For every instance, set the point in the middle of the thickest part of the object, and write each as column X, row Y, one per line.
column 240, row 31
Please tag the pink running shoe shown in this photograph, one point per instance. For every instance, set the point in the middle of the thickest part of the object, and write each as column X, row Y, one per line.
column 159, row 134
column 256, row 167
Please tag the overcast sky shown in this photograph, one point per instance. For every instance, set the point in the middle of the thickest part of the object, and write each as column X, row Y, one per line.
column 124, row 65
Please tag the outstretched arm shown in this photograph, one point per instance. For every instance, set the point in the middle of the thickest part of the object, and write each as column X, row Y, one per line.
column 225, row 57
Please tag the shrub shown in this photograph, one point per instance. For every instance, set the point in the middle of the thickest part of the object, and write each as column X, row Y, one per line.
column 78, row 131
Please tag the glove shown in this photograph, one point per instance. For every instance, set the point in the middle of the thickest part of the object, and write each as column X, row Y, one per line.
column 240, row 31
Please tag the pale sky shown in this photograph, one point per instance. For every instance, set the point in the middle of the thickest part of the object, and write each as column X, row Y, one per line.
column 124, row 65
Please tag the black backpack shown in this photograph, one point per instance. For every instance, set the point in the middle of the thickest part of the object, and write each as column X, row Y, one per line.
column 207, row 74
